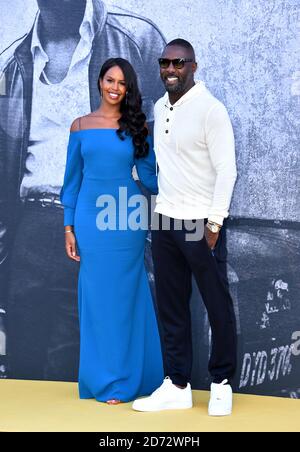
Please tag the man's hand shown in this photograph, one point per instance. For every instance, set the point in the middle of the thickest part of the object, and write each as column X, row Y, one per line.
column 211, row 237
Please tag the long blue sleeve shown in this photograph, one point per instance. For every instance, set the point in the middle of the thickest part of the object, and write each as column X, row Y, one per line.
column 146, row 169
column 72, row 178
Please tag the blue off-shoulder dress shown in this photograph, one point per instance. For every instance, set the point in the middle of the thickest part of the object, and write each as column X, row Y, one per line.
column 120, row 352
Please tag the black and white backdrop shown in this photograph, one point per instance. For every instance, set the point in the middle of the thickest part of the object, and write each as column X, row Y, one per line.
column 248, row 55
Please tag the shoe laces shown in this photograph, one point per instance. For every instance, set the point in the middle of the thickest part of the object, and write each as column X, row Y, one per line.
column 166, row 381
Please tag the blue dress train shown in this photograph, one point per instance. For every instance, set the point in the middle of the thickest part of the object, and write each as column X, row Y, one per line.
column 120, row 353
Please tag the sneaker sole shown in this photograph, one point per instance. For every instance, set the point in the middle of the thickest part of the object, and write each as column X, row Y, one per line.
column 219, row 414
column 164, row 408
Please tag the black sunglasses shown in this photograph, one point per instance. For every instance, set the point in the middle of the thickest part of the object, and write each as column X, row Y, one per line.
column 177, row 63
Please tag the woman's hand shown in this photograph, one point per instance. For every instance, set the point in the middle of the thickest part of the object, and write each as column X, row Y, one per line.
column 70, row 244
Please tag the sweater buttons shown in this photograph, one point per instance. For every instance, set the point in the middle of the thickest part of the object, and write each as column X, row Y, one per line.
column 167, row 131
column 167, row 119
column 171, row 108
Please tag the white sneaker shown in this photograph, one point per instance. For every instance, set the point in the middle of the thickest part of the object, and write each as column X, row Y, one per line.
column 166, row 397
column 220, row 403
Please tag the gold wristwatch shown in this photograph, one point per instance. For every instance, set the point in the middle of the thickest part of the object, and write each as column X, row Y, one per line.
column 213, row 227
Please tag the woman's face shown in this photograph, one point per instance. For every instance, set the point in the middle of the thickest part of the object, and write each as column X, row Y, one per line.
column 113, row 86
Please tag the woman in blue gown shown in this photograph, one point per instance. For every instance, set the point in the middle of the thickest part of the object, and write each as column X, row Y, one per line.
column 105, row 229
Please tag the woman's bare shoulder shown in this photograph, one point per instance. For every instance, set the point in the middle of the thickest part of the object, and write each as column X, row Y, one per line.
column 75, row 125
column 82, row 121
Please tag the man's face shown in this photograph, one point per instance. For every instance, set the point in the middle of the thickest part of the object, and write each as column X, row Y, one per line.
column 178, row 80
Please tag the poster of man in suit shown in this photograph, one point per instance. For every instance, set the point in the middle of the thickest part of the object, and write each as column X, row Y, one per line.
column 248, row 56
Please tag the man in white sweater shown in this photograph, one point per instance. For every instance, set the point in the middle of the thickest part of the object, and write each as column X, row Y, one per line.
column 194, row 146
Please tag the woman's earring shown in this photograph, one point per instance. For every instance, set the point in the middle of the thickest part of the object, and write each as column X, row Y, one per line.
column 126, row 98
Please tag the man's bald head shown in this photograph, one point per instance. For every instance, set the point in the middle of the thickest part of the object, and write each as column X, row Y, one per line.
column 187, row 46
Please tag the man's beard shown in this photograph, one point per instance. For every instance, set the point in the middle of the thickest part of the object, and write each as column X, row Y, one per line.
column 176, row 88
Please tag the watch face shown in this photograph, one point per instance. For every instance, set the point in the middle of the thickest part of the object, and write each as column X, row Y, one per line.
column 213, row 227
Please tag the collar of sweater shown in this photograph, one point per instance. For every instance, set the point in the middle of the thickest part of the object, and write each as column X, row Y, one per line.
column 194, row 91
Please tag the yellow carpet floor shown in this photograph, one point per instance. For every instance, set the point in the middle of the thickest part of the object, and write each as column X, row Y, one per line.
column 42, row 406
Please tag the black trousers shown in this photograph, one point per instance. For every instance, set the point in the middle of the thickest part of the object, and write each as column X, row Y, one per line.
column 175, row 260
column 42, row 319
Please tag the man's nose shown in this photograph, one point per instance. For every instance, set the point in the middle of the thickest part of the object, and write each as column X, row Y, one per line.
column 171, row 69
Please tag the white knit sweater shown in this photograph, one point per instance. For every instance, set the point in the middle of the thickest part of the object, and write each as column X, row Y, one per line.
column 194, row 147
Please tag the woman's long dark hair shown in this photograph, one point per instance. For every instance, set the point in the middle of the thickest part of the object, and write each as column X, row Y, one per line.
column 132, row 121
